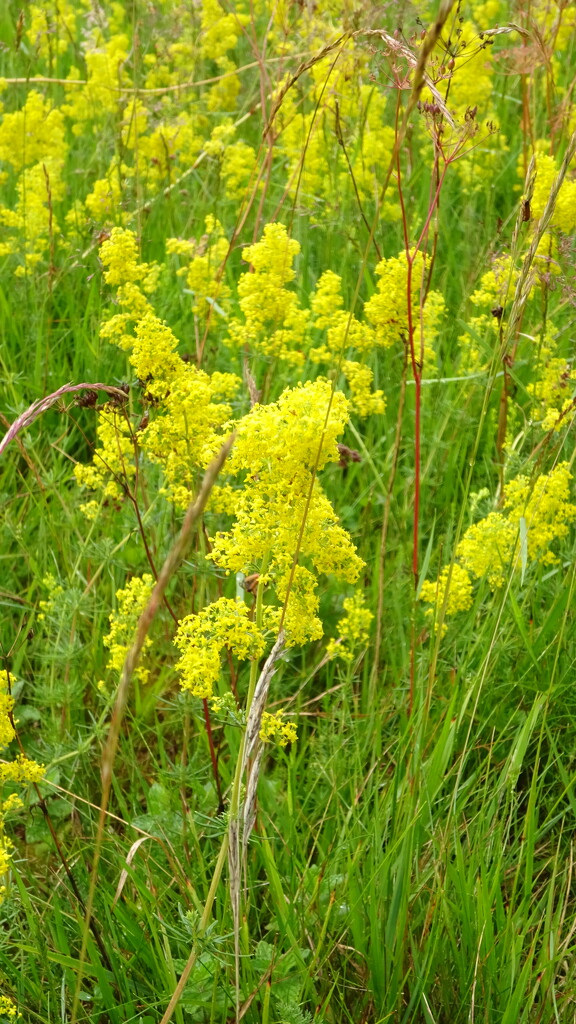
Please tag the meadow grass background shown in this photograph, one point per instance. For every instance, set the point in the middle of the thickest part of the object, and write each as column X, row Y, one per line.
column 413, row 855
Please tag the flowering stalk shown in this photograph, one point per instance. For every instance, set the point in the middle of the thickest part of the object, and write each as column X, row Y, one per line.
column 230, row 841
column 526, row 280
column 172, row 562
column 234, row 815
column 416, row 359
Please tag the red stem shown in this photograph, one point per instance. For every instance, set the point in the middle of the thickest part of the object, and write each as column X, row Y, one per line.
column 416, row 370
column 213, row 754
column 417, row 366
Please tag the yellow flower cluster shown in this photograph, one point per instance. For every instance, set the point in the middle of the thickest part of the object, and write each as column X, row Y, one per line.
column 296, row 591
column 51, row 27
column 112, row 468
column 335, row 108
column 281, row 445
column 274, row 729
column 353, row 629
column 219, row 35
column 33, row 144
column 491, row 299
column 157, row 148
column 282, row 508
column 274, row 322
column 201, row 638
column 33, row 134
column 545, row 508
column 103, row 203
column 6, row 706
column 132, row 279
column 453, row 588
column 54, row 590
column 365, row 401
column 278, row 505
column 99, row 98
column 145, row 140
column 188, row 429
column 344, row 332
column 536, row 513
column 554, row 394
column 21, row 771
column 203, row 274
column 387, row 309
column 276, row 325
column 237, row 170
column 192, row 413
column 564, row 216
column 132, row 601
column 8, row 1007
column 488, row 12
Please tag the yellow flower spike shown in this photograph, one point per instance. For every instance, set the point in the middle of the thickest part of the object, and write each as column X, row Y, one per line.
column 365, row 401
column 238, row 167
column 22, row 771
column 281, row 506
column 203, row 276
column 99, row 98
column 274, row 321
column 301, row 621
column 8, row 1007
column 201, row 638
column 132, row 600
column 545, row 508
column 274, row 729
column 459, row 597
column 113, row 458
column 353, row 629
column 492, row 548
column 6, row 705
column 387, row 309
column 33, row 134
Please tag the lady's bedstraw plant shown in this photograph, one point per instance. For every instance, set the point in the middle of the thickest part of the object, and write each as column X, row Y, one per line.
column 283, row 526
column 278, row 526
column 13, row 774
column 535, row 514
column 286, row 534
column 353, row 629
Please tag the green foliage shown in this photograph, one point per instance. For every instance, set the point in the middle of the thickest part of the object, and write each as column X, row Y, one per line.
column 193, row 211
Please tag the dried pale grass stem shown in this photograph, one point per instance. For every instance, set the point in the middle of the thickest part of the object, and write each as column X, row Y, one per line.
column 43, row 404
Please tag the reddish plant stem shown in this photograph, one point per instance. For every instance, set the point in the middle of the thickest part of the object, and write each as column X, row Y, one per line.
column 417, row 362
column 384, row 533
column 416, row 372
column 213, row 757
